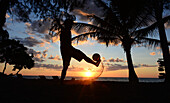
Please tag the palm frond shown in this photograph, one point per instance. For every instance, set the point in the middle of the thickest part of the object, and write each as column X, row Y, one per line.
column 100, row 37
column 149, row 30
column 100, row 22
column 109, row 13
column 83, row 27
column 84, row 36
column 110, row 40
column 149, row 42
column 142, row 20
column 145, row 31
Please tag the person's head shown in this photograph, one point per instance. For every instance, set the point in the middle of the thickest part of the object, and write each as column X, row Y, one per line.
column 68, row 23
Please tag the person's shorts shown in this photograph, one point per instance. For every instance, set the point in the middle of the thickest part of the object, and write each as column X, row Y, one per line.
column 71, row 52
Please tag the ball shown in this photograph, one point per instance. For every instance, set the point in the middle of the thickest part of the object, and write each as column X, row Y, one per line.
column 96, row 57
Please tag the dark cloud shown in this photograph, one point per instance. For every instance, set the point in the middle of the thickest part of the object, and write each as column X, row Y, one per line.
column 82, row 16
column 39, row 26
column 48, row 66
column 167, row 25
column 113, row 67
column 89, row 7
column 114, row 60
column 30, row 41
column 74, row 68
column 47, row 38
column 38, row 59
column 146, row 65
column 44, row 54
column 38, row 56
column 57, row 67
column 30, row 51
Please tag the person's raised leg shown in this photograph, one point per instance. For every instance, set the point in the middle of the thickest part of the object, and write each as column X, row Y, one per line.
column 87, row 59
column 79, row 55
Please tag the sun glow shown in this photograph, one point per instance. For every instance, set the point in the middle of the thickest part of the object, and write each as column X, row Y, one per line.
column 88, row 74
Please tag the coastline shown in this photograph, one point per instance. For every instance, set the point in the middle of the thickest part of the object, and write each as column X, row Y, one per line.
column 114, row 79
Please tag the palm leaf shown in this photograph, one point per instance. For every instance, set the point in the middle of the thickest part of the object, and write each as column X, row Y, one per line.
column 149, row 30
column 149, row 42
column 84, row 36
column 109, row 13
column 100, row 22
column 109, row 40
column 83, row 27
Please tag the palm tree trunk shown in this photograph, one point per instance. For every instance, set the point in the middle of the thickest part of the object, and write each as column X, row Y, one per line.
column 163, row 39
column 165, row 50
column 132, row 75
column 4, row 67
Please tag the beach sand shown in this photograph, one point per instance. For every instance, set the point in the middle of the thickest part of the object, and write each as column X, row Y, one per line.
column 50, row 91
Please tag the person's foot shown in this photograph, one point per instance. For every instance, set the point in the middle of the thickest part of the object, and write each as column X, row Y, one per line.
column 98, row 62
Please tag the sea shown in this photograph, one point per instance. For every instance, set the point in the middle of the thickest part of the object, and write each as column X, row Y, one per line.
column 116, row 79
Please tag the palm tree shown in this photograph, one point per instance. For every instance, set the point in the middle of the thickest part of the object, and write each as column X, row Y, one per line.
column 128, row 26
column 158, row 7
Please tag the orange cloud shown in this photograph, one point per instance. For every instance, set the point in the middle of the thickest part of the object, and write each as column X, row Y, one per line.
column 44, row 55
column 167, row 25
column 82, row 43
column 7, row 16
column 158, row 48
column 54, row 58
column 28, row 24
column 103, row 58
column 74, row 32
column 55, row 39
column 81, row 12
column 152, row 53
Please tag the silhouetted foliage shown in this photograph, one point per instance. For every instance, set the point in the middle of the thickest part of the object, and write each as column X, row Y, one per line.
column 14, row 53
column 56, row 10
column 126, row 22
column 129, row 22
column 42, row 9
column 159, row 7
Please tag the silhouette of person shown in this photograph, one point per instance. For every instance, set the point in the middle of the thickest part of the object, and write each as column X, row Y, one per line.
column 68, row 51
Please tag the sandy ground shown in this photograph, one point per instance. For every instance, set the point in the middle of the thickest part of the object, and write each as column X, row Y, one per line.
column 50, row 91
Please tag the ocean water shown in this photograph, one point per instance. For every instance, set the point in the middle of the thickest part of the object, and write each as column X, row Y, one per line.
column 117, row 79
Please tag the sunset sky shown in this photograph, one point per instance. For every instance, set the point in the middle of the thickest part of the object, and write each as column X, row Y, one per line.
column 48, row 59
